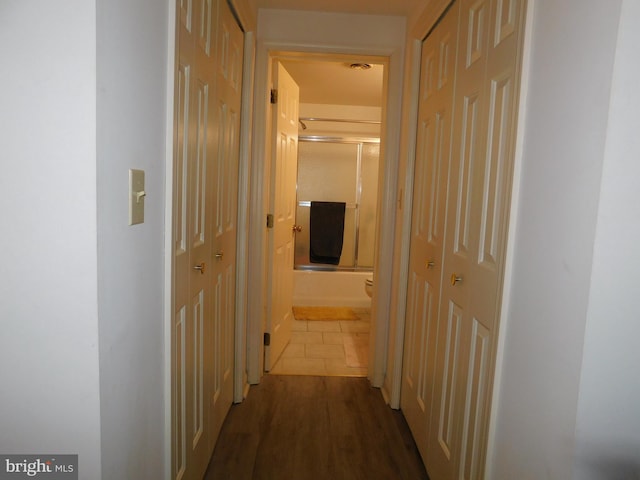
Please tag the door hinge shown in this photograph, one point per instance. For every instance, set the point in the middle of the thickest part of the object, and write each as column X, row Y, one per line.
column 274, row 95
column 269, row 220
column 267, row 339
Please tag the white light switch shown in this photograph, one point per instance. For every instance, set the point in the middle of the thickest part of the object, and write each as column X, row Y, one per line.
column 136, row 196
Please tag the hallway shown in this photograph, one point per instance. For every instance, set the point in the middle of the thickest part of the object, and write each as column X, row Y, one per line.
column 314, row 428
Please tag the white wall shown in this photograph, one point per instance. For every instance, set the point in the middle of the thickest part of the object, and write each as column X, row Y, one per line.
column 608, row 421
column 49, row 390
column 131, row 125
column 573, row 48
column 331, row 31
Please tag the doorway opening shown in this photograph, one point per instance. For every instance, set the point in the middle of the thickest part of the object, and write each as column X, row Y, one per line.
column 341, row 111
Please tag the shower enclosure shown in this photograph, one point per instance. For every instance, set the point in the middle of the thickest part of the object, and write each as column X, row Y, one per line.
column 339, row 169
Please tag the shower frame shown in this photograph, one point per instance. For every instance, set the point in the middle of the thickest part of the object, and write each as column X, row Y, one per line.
column 346, row 140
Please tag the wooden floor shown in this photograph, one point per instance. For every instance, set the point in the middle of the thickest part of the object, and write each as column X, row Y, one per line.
column 315, row 428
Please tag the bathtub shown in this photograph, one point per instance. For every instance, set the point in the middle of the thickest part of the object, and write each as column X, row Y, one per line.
column 332, row 288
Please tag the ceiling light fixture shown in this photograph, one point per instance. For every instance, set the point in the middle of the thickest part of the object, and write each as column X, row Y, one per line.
column 360, row 66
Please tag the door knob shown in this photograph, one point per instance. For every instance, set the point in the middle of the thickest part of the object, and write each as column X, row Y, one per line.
column 431, row 264
column 297, row 228
column 200, row 267
column 455, row 279
column 219, row 255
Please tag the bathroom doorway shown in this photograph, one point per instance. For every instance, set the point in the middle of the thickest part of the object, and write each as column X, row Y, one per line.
column 339, row 131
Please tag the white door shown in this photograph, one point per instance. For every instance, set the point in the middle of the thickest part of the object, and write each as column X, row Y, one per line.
column 226, row 137
column 208, row 82
column 478, row 200
column 283, row 206
column 428, row 224
column 192, row 235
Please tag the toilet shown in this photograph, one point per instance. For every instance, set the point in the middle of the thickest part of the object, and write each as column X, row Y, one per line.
column 368, row 286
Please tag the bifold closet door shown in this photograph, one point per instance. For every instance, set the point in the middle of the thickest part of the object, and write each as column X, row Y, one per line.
column 435, row 117
column 226, row 106
column 207, row 119
column 462, row 194
column 478, row 200
column 192, row 236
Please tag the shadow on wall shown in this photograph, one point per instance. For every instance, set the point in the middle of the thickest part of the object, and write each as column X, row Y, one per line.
column 607, row 463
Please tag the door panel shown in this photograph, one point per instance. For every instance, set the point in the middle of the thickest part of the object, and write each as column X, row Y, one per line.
column 285, row 161
column 473, row 441
column 202, row 340
column 181, row 269
column 471, row 245
column 192, row 245
column 417, row 378
column 227, row 105
column 428, row 227
column 491, row 186
column 462, row 238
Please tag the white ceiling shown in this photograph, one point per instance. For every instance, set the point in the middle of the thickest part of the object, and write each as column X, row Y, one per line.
column 334, row 82
column 371, row 7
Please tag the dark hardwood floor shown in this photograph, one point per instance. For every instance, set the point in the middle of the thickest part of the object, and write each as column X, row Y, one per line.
column 315, row 428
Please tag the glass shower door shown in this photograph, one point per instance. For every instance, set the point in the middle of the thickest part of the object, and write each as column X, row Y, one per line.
column 332, row 171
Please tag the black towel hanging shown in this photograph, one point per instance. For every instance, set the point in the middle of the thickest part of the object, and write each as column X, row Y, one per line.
column 326, row 232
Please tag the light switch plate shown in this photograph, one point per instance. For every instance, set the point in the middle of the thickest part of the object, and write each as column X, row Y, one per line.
column 136, row 196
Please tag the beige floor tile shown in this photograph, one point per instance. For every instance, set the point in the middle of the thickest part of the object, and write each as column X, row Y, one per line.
column 294, row 350
column 323, row 326
column 354, row 326
column 324, row 351
column 299, row 326
column 332, row 338
column 356, row 352
column 336, row 348
column 306, row 337
column 359, row 338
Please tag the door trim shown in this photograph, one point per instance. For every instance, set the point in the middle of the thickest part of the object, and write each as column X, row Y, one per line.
column 240, row 384
column 168, row 231
column 405, row 240
column 259, row 202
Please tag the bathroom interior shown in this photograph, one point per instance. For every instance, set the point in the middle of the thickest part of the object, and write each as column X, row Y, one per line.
column 338, row 162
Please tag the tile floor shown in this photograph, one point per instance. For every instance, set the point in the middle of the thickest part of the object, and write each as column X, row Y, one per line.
column 327, row 347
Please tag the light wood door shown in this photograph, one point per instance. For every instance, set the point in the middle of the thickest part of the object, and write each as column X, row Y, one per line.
column 192, row 235
column 461, row 239
column 226, row 106
column 461, row 201
column 478, row 200
column 283, row 202
column 428, row 224
column 207, row 111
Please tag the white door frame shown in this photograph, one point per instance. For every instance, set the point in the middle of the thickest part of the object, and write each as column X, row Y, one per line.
column 168, row 233
column 260, row 179
column 240, row 383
